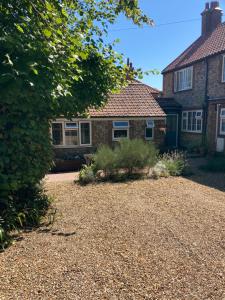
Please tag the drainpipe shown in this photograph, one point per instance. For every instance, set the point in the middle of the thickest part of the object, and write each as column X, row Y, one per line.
column 206, row 105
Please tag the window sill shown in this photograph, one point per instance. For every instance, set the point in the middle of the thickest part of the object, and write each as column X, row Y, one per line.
column 70, row 146
column 177, row 92
column 189, row 131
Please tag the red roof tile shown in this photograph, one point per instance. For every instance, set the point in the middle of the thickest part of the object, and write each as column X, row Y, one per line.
column 203, row 47
column 135, row 100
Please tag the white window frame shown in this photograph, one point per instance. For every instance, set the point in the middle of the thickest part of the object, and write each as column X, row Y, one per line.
column 185, row 87
column 150, row 126
column 222, row 118
column 115, row 127
column 85, row 122
column 64, row 128
column 223, row 69
column 186, row 118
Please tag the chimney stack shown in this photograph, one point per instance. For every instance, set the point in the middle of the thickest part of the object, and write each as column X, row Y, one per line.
column 211, row 17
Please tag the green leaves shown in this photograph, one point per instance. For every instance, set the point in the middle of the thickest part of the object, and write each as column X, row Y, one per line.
column 47, row 33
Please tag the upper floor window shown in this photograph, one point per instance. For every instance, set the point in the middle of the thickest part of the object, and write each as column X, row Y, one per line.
column 223, row 72
column 183, row 79
column 120, row 130
column 192, row 121
column 222, row 121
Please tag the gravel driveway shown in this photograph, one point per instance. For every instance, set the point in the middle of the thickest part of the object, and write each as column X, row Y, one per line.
column 147, row 239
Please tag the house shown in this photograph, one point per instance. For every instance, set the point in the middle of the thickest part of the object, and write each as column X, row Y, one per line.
column 133, row 113
column 195, row 81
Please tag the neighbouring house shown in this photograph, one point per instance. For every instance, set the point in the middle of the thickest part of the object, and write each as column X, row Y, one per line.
column 195, row 81
column 133, row 113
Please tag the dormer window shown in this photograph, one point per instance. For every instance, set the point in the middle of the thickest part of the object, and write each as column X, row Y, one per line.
column 223, row 70
column 183, row 79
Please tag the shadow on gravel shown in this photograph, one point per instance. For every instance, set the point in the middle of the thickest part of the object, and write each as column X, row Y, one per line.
column 213, row 180
column 56, row 232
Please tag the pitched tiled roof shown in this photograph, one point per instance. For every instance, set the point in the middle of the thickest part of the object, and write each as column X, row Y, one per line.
column 203, row 47
column 135, row 100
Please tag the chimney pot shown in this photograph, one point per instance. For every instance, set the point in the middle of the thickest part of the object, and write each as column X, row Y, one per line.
column 214, row 4
column 211, row 17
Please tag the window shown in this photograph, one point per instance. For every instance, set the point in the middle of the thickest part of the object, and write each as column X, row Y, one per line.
column 57, row 134
column 223, row 69
column 85, row 133
column 149, row 129
column 65, row 133
column 120, row 130
column 183, row 79
column 192, row 121
column 222, row 121
column 71, row 133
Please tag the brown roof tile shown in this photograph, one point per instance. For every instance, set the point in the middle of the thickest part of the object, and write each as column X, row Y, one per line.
column 135, row 100
column 203, row 47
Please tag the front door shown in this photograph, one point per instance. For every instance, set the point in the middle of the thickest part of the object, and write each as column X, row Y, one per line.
column 172, row 130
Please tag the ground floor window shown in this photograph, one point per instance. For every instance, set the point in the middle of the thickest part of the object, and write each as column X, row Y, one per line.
column 222, row 121
column 120, row 130
column 71, row 133
column 149, row 130
column 192, row 121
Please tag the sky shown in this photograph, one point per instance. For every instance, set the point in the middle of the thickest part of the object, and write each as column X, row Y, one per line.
column 155, row 47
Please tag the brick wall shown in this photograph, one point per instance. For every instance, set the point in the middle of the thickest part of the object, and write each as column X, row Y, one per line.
column 216, row 89
column 102, row 134
column 195, row 98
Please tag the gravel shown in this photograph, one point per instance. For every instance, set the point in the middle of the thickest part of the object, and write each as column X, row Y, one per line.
column 145, row 239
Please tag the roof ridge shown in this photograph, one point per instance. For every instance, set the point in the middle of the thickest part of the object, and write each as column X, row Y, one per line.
column 203, row 47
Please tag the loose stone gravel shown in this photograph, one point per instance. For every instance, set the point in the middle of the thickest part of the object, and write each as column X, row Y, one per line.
column 145, row 239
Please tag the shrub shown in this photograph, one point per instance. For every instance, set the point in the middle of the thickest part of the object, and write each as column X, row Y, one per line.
column 215, row 164
column 133, row 155
column 105, row 159
column 160, row 170
column 26, row 207
column 170, row 164
column 87, row 174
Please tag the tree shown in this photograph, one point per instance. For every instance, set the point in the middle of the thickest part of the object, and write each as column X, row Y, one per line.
column 53, row 61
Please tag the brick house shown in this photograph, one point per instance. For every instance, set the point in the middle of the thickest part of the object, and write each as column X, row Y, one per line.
column 133, row 113
column 196, row 81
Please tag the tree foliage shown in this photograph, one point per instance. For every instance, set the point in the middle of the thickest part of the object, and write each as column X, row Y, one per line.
column 53, row 61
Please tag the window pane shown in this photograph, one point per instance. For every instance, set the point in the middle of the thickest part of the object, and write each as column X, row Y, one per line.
column 223, row 125
column 57, row 137
column 199, row 124
column 85, row 133
column 189, row 120
column 148, row 133
column 71, row 137
column 222, row 112
column 71, row 125
column 194, row 125
column 120, row 133
column 120, row 124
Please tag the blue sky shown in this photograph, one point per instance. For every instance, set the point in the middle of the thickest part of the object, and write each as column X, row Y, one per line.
column 155, row 47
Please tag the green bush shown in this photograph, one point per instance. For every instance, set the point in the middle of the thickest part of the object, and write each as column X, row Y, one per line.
column 26, row 207
column 170, row 164
column 215, row 164
column 105, row 160
column 87, row 174
column 132, row 155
